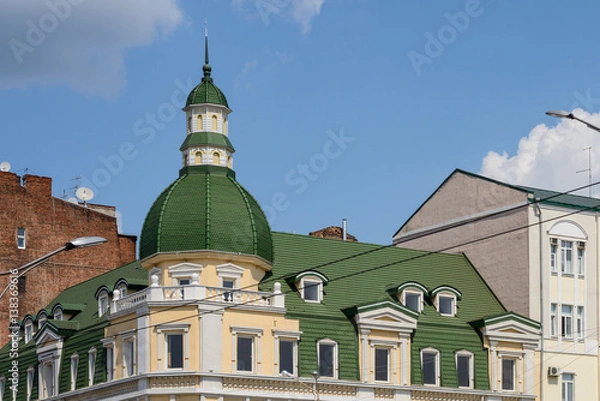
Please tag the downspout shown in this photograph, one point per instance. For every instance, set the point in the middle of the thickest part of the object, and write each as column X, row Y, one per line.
column 538, row 212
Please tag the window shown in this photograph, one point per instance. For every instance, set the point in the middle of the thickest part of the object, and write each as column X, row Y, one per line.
column 214, row 122
column 464, row 369
column 189, row 124
column 310, row 286
column 412, row 300
column 568, row 382
column 287, row 351
column 184, row 281
column 28, row 330
column 174, row 350
column 91, row 366
column 198, row 157
column 446, row 305
column 508, row 374
column 58, row 314
column 216, row 158
column 41, row 320
column 225, row 126
column 2, row 387
column 74, row 364
column 21, row 238
column 47, row 379
column 310, row 290
column 30, row 378
column 327, row 351
column 553, row 319
column 109, row 351
column 580, row 326
column 553, row 251
column 102, row 303
column 228, row 296
column 199, row 123
column 566, row 321
column 430, row 367
column 122, row 288
column 245, row 353
column 129, row 357
column 566, row 257
column 382, row 364
column 580, row 258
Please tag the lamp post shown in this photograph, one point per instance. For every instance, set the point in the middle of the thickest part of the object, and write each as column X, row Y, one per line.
column 76, row 243
column 315, row 376
column 570, row 116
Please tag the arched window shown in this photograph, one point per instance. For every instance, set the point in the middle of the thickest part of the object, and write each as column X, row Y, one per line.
column 229, row 162
column 198, row 157
column 199, row 123
column 217, row 158
column 225, row 126
column 189, row 124
column 214, row 122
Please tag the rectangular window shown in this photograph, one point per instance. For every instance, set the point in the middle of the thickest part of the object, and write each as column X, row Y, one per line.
column 580, row 326
column 174, row 343
column 245, row 350
column 553, row 251
column 463, row 370
column 412, row 300
column 91, row 366
column 429, row 366
column 327, row 359
column 566, row 321
column 21, row 238
column 110, row 363
column 446, row 305
column 128, row 358
column 553, row 319
column 382, row 364
column 508, row 374
column 311, row 290
column 568, row 381
column 30, row 377
column 580, row 261
column 74, row 364
column 566, row 257
column 184, row 281
column 47, row 379
column 286, row 356
column 228, row 283
column 102, row 304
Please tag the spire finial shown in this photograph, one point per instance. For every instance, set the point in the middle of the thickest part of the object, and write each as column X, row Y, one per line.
column 206, row 68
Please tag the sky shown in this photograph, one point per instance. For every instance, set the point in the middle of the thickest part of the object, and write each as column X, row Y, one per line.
column 354, row 109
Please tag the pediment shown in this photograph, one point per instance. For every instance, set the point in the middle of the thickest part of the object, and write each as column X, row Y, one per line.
column 229, row 269
column 386, row 316
column 47, row 337
column 185, row 268
column 512, row 328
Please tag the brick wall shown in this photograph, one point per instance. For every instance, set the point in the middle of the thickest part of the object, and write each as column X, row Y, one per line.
column 50, row 222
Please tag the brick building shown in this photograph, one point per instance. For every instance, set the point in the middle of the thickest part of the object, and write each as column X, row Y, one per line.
column 34, row 223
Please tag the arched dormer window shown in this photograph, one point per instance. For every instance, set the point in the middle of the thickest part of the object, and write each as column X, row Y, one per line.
column 444, row 299
column 28, row 328
column 121, row 286
column 217, row 158
column 412, row 295
column 102, row 297
column 310, row 285
column 214, row 122
column 198, row 157
column 57, row 312
column 42, row 316
column 199, row 123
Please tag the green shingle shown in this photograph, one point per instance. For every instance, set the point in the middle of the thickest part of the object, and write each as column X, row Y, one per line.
column 206, row 92
column 206, row 138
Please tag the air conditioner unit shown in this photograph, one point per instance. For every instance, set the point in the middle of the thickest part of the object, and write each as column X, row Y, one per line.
column 554, row 241
column 580, row 244
column 553, row 371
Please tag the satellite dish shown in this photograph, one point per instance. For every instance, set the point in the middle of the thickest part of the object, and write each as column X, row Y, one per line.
column 73, row 200
column 85, row 194
column 5, row 166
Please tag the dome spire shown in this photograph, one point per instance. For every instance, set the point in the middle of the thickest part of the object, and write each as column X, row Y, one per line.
column 206, row 68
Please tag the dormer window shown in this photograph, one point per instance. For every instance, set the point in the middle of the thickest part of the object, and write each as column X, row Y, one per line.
column 58, row 314
column 122, row 288
column 444, row 300
column 28, row 330
column 310, row 286
column 41, row 319
column 412, row 295
column 102, row 297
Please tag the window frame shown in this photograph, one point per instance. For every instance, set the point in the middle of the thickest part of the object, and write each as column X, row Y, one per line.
column 554, row 261
column 73, row 370
column 566, row 322
column 513, row 361
column 28, row 330
column 255, row 358
column 30, row 381
column 163, row 332
column 554, row 318
column 109, row 352
column 47, row 387
column 569, row 383
column 566, row 257
column 92, row 354
column 21, row 238
column 413, row 292
column 388, row 363
column 103, row 302
column 580, row 256
column 129, row 367
column 2, row 387
column 471, row 367
column 327, row 342
column 287, row 336
column 436, row 366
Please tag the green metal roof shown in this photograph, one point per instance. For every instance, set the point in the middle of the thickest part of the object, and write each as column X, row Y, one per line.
column 359, row 274
column 206, row 209
column 206, row 92
column 206, row 138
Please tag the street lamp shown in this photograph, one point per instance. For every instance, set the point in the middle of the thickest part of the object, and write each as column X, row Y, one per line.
column 76, row 243
column 570, row 116
column 315, row 376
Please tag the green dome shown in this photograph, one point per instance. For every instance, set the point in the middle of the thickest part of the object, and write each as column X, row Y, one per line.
column 206, row 92
column 206, row 209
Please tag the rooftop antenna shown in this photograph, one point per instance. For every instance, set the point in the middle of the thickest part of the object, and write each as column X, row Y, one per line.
column 589, row 170
column 85, row 194
column 5, row 166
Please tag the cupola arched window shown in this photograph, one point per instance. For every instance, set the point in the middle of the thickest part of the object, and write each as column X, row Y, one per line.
column 198, row 157
column 214, row 123
column 216, row 158
column 199, row 123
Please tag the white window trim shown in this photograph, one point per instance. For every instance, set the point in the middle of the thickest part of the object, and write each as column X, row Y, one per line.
column 73, row 369
column 172, row 328
column 57, row 314
column 517, row 357
column 128, row 337
column 256, row 347
column 391, row 347
column 229, row 271
column 471, row 357
column 445, row 294
column 437, row 366
column 43, row 391
column 313, row 280
column 92, row 353
column 328, row 341
column 2, row 387
column 183, row 271
column 103, row 308
column 41, row 320
column 413, row 290
column 109, row 344
column 30, row 379
column 562, row 383
column 284, row 335
column 23, row 237
column 28, row 330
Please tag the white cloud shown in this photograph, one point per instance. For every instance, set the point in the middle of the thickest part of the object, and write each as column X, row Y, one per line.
column 248, row 65
column 301, row 11
column 79, row 43
column 550, row 157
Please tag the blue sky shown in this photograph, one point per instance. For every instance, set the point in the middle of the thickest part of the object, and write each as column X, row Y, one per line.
column 350, row 109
